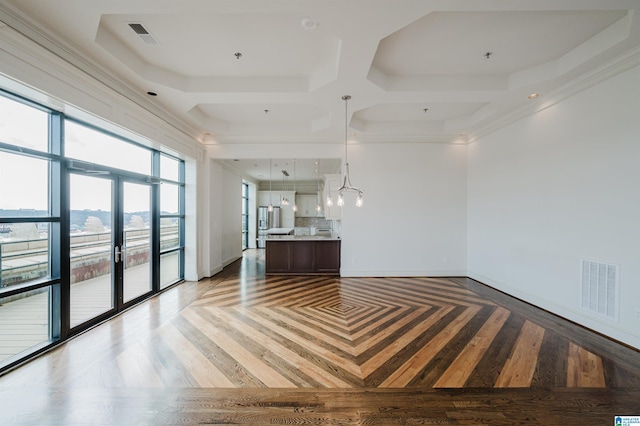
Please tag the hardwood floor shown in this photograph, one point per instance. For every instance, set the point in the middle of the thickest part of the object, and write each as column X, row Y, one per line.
column 242, row 348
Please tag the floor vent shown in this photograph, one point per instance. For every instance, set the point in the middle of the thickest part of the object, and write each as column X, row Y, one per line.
column 600, row 288
column 144, row 34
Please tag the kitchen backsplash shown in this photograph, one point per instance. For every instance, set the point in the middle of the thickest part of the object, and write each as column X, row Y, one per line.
column 318, row 222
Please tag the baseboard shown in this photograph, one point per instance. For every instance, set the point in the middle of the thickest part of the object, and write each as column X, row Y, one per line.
column 214, row 271
column 230, row 261
column 369, row 273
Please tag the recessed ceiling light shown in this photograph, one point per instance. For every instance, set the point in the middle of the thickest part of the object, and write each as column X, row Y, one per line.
column 207, row 138
column 152, row 94
column 308, row 23
column 533, row 95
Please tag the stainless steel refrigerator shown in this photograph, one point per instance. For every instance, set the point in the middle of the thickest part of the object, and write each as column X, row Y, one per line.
column 266, row 221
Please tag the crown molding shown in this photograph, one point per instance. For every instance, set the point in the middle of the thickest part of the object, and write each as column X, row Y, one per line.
column 624, row 62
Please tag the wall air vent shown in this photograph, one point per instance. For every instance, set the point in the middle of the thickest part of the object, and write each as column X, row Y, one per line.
column 144, row 34
column 600, row 284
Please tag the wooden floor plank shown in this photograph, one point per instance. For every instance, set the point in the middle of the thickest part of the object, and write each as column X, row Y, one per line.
column 401, row 377
column 366, row 323
column 375, row 362
column 206, row 374
column 137, row 369
column 136, row 406
column 584, row 368
column 462, row 367
column 519, row 368
column 321, row 333
column 551, row 371
column 248, row 360
column 296, row 360
column 169, row 368
column 398, row 319
column 318, row 349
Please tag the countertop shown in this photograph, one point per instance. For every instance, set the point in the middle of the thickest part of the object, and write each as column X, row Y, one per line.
column 301, row 238
column 279, row 231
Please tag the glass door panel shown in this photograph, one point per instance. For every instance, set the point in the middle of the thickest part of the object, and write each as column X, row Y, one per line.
column 136, row 244
column 91, row 247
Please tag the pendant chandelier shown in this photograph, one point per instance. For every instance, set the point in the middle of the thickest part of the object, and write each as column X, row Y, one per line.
column 346, row 183
column 318, row 206
column 284, row 201
column 295, row 206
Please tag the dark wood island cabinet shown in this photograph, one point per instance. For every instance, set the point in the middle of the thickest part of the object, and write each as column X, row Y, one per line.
column 303, row 256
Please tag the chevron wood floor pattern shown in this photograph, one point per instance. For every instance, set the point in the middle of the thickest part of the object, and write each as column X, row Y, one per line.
column 374, row 332
column 386, row 344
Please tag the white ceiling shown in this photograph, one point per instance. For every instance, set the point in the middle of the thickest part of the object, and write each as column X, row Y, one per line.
column 298, row 169
column 396, row 58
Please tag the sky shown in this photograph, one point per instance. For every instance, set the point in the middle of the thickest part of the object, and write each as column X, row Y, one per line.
column 23, row 184
column 23, row 180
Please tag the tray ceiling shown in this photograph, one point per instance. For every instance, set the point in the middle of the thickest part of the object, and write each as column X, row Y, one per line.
column 274, row 72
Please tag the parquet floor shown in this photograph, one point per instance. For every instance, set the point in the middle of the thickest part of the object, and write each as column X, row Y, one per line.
column 242, row 348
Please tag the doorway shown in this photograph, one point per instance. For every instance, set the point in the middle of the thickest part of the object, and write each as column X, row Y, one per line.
column 110, row 245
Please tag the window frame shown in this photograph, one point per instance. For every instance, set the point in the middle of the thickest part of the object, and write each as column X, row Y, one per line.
column 180, row 249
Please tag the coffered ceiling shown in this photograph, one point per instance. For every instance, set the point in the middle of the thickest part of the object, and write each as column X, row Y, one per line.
column 259, row 71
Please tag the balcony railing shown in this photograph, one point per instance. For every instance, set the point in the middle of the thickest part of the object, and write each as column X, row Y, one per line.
column 90, row 254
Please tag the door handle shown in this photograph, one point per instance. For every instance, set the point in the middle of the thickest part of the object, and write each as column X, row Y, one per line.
column 116, row 254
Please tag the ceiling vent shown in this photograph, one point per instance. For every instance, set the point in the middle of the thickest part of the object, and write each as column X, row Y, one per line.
column 600, row 288
column 144, row 34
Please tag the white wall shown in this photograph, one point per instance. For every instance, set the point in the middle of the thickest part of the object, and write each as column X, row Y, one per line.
column 253, row 215
column 213, row 233
column 196, row 247
column 413, row 221
column 224, row 216
column 556, row 187
column 231, row 216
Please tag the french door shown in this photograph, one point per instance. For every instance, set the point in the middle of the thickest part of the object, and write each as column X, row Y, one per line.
column 110, row 251
column 134, row 245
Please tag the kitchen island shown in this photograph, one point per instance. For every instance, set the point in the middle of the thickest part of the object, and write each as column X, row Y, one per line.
column 302, row 255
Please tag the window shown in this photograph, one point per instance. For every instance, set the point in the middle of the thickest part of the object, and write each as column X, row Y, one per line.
column 245, row 216
column 14, row 116
column 29, row 228
column 24, row 185
column 94, row 146
column 171, row 220
column 56, row 236
column 169, row 168
column 28, row 315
